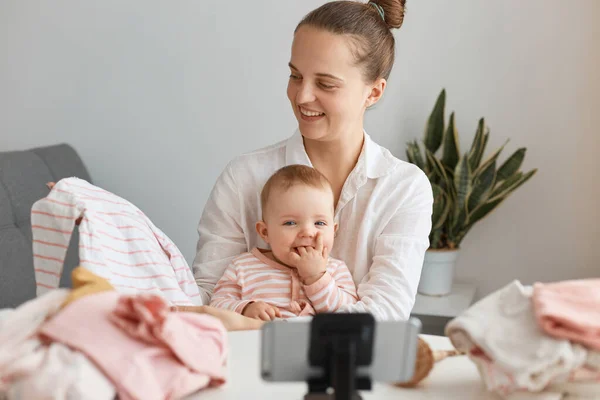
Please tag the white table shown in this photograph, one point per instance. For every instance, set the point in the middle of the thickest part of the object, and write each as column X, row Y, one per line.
column 453, row 378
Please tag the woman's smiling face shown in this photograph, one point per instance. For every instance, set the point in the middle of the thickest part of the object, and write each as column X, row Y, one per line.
column 326, row 88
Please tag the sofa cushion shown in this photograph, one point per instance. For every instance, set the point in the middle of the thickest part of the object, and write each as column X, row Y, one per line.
column 23, row 178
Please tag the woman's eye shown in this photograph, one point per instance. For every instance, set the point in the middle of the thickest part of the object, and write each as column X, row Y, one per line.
column 294, row 77
column 289, row 223
column 326, row 86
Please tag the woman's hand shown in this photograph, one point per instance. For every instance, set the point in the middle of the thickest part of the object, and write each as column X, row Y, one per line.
column 311, row 262
column 231, row 320
column 261, row 310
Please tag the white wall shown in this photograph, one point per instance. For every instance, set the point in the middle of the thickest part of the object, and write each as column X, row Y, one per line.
column 158, row 96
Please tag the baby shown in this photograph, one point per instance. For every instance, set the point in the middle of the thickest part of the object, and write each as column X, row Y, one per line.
column 296, row 277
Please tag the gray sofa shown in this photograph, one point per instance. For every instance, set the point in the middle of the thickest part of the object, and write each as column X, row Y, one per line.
column 23, row 178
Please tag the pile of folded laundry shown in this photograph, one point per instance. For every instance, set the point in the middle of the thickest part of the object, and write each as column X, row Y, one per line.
column 535, row 342
column 93, row 342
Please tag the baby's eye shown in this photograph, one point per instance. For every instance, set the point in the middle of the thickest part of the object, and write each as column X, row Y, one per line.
column 289, row 223
column 321, row 223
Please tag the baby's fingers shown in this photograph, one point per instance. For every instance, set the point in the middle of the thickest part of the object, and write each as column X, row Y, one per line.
column 294, row 256
column 319, row 247
column 264, row 315
column 272, row 312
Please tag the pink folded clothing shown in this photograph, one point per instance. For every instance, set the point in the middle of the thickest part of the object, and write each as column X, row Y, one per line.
column 145, row 350
column 33, row 369
column 142, row 317
column 569, row 310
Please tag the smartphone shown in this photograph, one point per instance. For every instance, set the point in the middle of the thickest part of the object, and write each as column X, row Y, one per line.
column 285, row 351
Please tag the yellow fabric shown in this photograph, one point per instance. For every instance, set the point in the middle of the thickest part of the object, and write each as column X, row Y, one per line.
column 85, row 283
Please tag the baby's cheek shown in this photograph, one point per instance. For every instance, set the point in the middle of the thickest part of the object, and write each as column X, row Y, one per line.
column 328, row 242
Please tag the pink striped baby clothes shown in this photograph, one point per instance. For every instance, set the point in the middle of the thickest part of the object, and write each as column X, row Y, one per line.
column 117, row 242
column 147, row 352
column 255, row 277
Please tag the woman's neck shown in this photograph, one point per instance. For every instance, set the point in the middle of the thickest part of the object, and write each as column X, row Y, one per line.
column 335, row 158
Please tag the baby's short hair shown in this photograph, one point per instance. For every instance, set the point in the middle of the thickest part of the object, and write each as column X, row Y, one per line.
column 292, row 175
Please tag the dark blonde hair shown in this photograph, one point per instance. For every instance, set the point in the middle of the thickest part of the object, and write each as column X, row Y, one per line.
column 292, row 175
column 373, row 43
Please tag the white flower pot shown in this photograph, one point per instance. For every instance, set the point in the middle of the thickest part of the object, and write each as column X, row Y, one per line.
column 438, row 272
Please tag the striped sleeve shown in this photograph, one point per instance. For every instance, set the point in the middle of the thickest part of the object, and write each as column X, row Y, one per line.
column 228, row 292
column 333, row 290
column 52, row 224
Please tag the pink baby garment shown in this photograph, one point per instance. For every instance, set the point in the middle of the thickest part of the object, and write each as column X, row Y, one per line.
column 148, row 352
column 569, row 310
column 117, row 242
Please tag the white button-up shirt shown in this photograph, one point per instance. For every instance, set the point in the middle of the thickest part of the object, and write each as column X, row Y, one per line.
column 384, row 216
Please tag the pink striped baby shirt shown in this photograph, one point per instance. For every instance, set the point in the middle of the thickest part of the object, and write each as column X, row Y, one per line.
column 116, row 241
column 255, row 277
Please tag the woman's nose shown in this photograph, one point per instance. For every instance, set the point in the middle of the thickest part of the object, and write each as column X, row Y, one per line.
column 305, row 94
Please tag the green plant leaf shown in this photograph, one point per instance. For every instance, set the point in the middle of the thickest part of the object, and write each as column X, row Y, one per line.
column 490, row 159
column 434, row 130
column 457, row 225
column 511, row 165
column 435, row 241
column 484, row 209
column 505, row 184
column 477, row 214
column 451, row 150
column 438, row 168
column 419, row 156
column 478, row 146
column 483, row 182
column 462, row 181
column 511, row 184
column 463, row 187
column 485, row 141
column 415, row 154
column 441, row 207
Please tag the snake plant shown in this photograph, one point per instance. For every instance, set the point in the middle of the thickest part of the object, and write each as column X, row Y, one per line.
column 465, row 188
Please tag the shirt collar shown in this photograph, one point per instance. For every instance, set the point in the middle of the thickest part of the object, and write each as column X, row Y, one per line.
column 375, row 159
column 295, row 153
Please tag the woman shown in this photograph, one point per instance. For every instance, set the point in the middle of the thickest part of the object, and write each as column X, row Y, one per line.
column 341, row 57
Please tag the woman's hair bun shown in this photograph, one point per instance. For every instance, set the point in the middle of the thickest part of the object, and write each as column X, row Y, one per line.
column 393, row 11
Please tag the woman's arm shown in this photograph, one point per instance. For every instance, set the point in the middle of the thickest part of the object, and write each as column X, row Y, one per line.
column 231, row 320
column 388, row 291
column 221, row 237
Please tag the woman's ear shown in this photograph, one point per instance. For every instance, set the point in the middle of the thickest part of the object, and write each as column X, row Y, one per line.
column 261, row 229
column 377, row 89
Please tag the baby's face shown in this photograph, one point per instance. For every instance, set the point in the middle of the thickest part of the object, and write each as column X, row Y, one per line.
column 293, row 218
